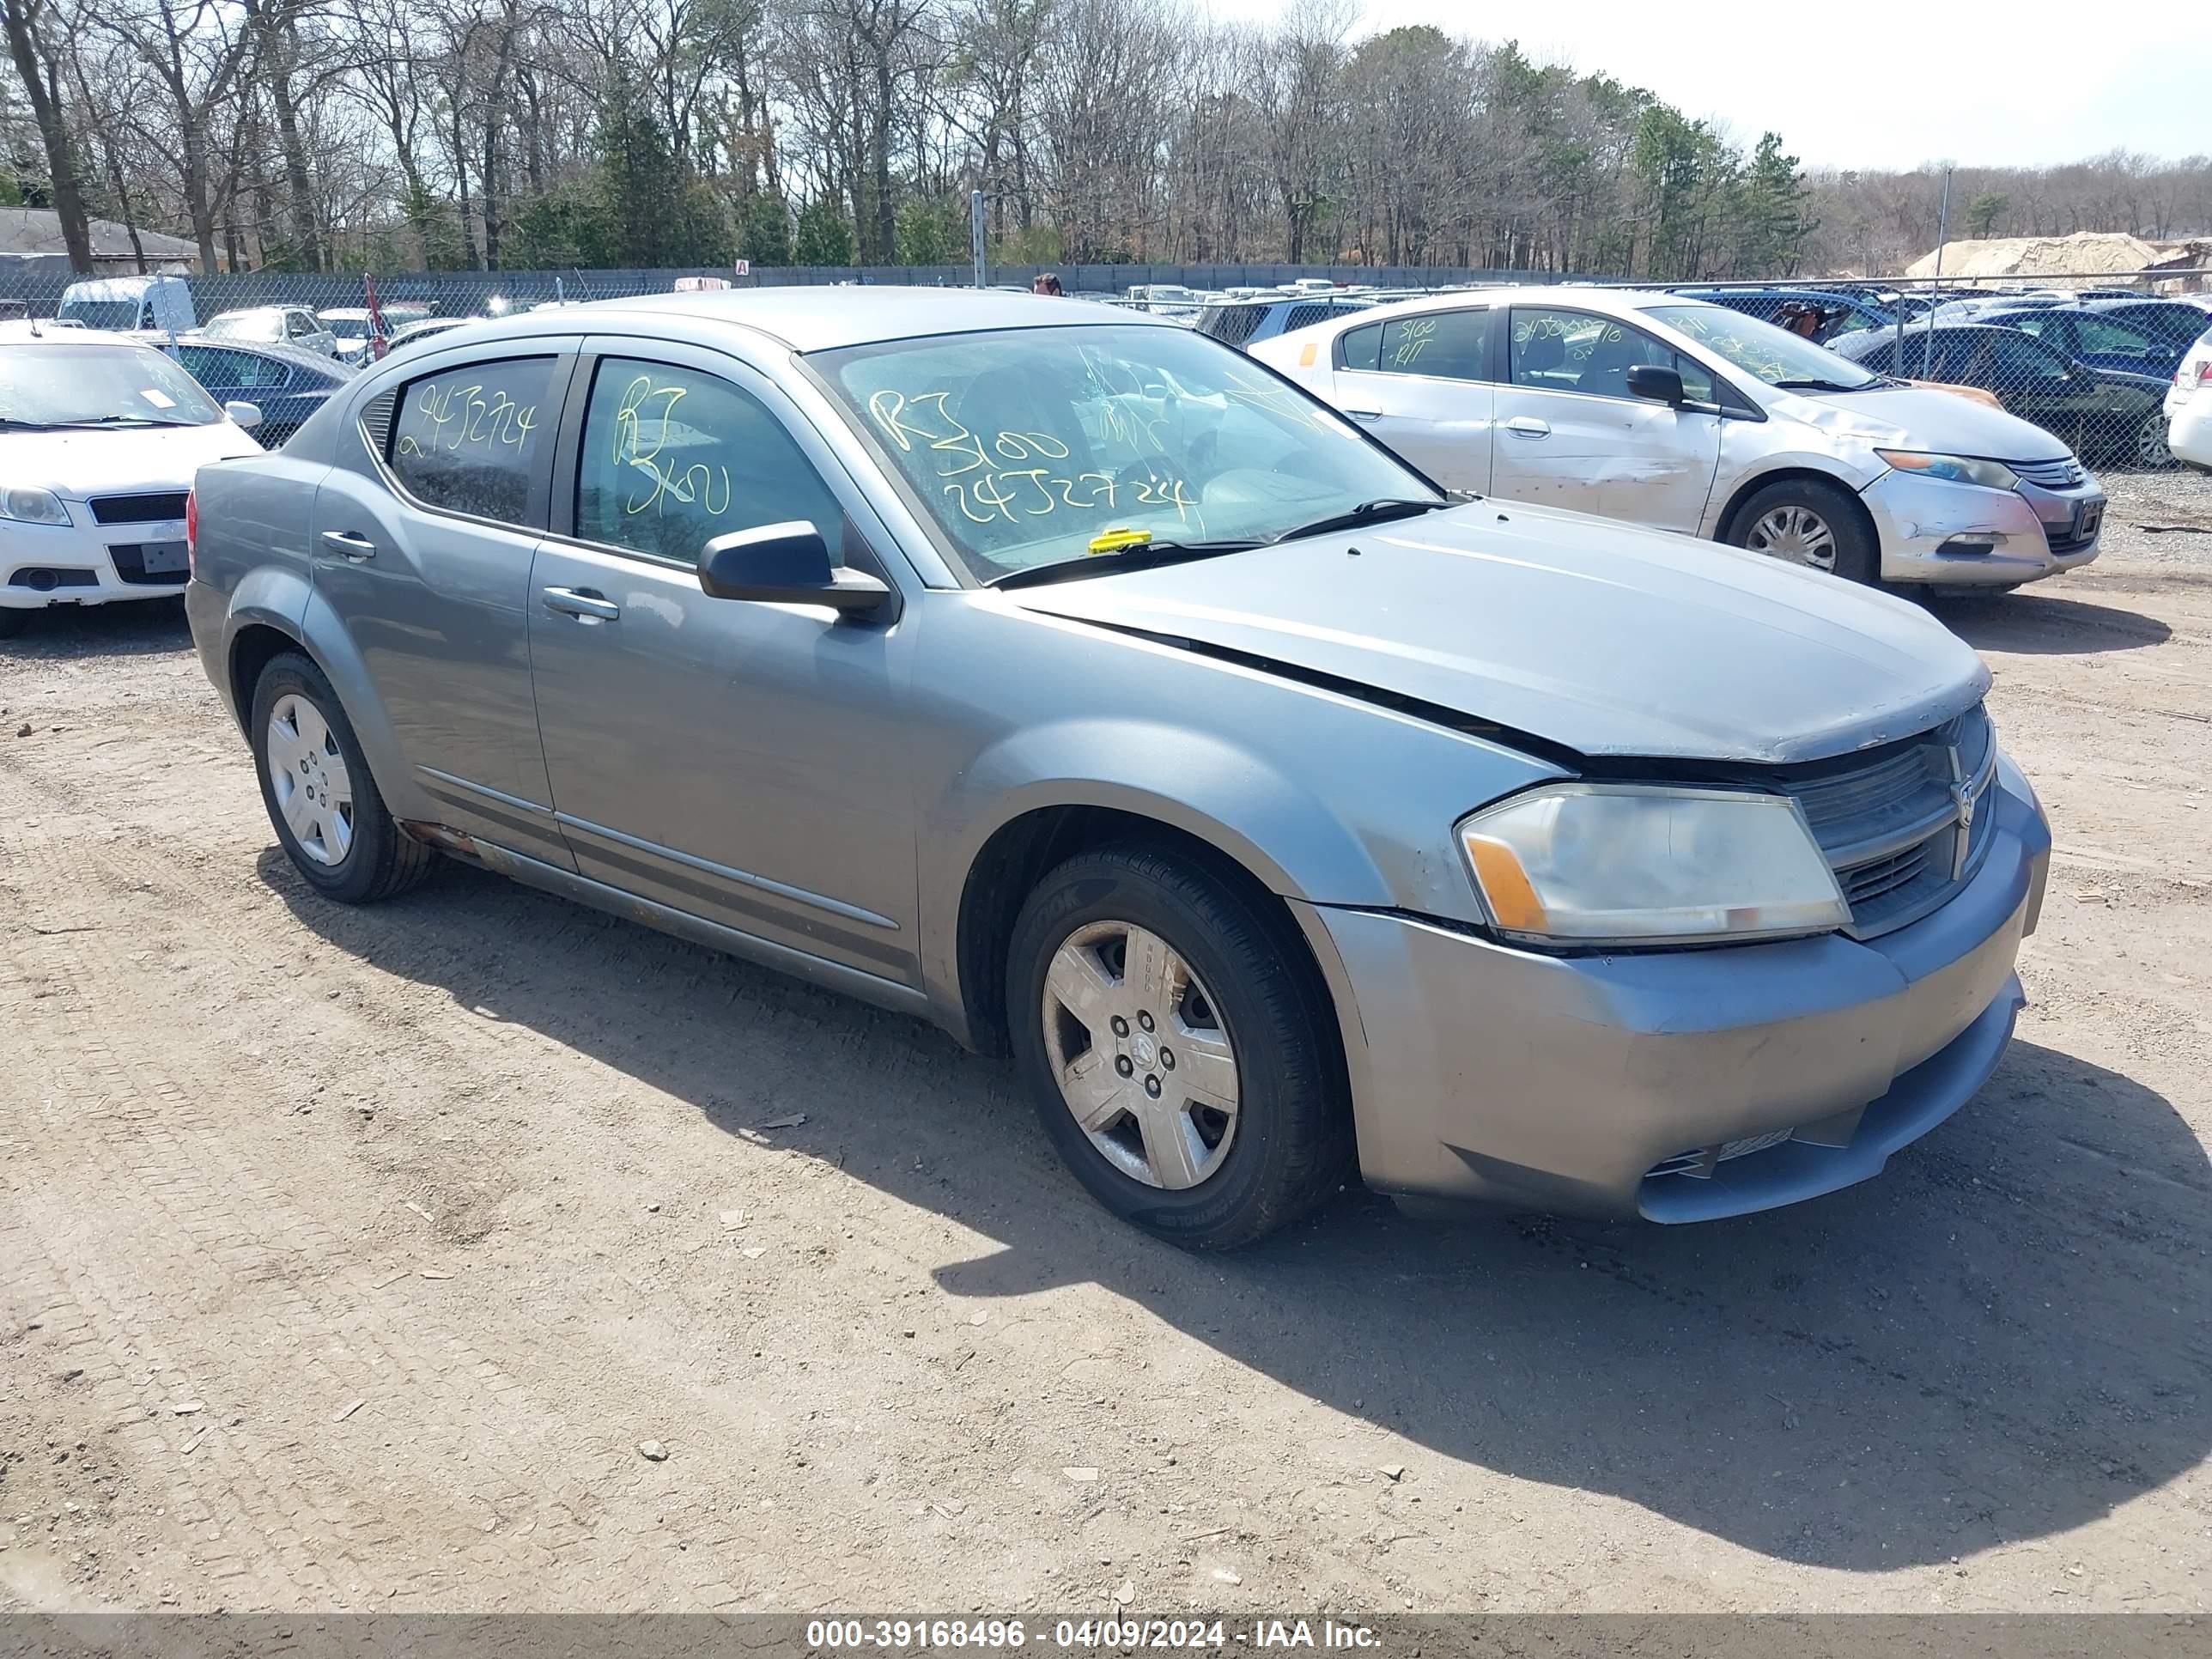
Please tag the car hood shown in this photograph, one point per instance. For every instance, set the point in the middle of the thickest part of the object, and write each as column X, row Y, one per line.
column 1602, row 638
column 81, row 464
column 1917, row 418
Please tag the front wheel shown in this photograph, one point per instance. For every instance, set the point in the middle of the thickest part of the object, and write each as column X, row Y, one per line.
column 13, row 620
column 1803, row 522
column 1178, row 1048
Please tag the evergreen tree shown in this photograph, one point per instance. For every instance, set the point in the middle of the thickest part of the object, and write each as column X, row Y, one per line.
column 824, row 238
column 928, row 234
column 764, row 235
column 1772, row 222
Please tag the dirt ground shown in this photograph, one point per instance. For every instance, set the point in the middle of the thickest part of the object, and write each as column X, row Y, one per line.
column 347, row 1257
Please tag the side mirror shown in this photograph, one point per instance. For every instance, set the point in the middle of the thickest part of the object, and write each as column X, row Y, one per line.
column 785, row 564
column 245, row 415
column 1661, row 386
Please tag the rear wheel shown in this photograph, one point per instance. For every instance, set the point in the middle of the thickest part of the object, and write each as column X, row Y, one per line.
column 1177, row 1047
column 1803, row 522
column 322, row 802
column 2151, row 452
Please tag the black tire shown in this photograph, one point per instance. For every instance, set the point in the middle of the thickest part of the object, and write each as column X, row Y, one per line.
column 1293, row 1142
column 13, row 620
column 380, row 863
column 1856, row 558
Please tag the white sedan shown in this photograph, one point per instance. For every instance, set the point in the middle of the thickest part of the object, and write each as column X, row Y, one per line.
column 100, row 439
column 1665, row 410
column 2189, row 407
column 292, row 325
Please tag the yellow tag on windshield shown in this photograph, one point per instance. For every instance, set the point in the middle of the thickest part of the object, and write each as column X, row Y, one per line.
column 1112, row 541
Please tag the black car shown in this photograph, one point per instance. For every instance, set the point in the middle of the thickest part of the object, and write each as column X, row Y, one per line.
column 286, row 383
column 2097, row 334
column 2111, row 415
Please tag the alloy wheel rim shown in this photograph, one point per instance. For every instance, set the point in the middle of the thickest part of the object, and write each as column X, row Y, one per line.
column 1795, row 533
column 2151, row 451
column 1142, row 1055
column 307, row 774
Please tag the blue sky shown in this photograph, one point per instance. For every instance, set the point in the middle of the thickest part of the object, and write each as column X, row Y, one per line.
column 2027, row 84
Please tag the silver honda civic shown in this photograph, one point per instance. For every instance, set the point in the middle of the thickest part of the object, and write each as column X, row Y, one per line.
column 1074, row 682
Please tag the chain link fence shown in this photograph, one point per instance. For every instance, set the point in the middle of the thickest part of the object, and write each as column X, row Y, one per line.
column 2089, row 358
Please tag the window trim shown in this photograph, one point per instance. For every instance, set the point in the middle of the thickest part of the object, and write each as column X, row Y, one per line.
column 561, row 352
column 859, row 529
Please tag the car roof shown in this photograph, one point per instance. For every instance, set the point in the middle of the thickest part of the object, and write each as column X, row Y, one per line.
column 2131, row 304
column 114, row 287
column 43, row 332
column 279, row 351
column 823, row 319
column 1615, row 301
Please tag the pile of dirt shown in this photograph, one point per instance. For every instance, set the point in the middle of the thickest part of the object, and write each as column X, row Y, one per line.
column 2088, row 252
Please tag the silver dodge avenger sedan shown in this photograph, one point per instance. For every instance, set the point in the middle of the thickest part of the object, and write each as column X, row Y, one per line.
column 1071, row 680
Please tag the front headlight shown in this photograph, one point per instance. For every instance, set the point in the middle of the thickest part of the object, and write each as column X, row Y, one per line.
column 32, row 507
column 1607, row 864
column 1952, row 469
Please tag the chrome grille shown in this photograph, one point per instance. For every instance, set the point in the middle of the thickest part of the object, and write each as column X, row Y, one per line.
column 2051, row 475
column 1889, row 822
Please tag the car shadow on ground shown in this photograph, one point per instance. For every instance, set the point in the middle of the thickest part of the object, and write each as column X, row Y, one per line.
column 137, row 628
column 2001, row 1338
column 2043, row 624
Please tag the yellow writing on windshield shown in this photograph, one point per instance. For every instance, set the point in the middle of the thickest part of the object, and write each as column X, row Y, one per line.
column 974, row 474
column 645, row 433
column 447, row 418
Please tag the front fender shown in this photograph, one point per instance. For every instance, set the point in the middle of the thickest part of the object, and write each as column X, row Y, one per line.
column 1747, row 463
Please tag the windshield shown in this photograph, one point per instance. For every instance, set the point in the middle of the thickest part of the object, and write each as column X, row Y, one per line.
column 1774, row 354
column 347, row 328
column 1022, row 446
column 117, row 386
column 121, row 314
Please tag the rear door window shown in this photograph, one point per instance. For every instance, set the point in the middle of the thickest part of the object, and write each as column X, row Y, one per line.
column 469, row 439
column 1445, row 346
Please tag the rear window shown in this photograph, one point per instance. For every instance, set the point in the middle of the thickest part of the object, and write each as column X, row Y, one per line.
column 1230, row 325
column 467, row 439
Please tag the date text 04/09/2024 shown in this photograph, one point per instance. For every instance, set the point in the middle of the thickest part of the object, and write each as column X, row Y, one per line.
column 1120, row 1634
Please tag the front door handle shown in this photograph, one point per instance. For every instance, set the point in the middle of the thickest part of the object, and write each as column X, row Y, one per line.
column 1528, row 426
column 359, row 548
column 577, row 602
column 1361, row 414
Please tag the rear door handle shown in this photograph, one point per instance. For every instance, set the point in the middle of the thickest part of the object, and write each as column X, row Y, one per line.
column 575, row 601
column 1528, row 426
column 359, row 548
column 1362, row 412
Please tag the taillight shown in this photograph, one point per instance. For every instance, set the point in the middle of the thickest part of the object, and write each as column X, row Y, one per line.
column 191, row 533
